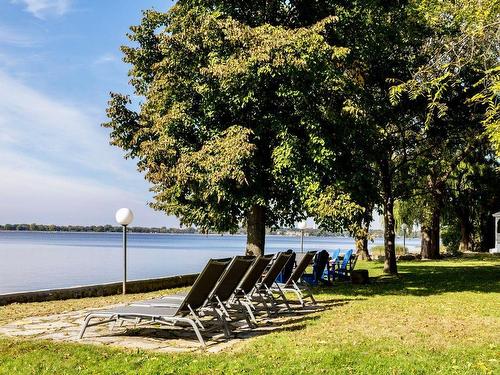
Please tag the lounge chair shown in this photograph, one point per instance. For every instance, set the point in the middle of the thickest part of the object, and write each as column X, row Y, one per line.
column 334, row 255
column 288, row 269
column 242, row 295
column 226, row 287
column 185, row 312
column 294, row 284
column 173, row 299
column 263, row 289
column 236, row 275
column 223, row 289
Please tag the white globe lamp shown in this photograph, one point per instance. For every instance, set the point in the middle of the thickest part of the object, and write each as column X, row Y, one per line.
column 404, row 227
column 124, row 217
column 302, row 225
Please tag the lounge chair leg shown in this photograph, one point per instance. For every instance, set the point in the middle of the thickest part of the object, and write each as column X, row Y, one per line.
column 287, row 304
column 265, row 299
column 313, row 299
column 299, row 296
column 269, row 310
column 195, row 317
column 222, row 307
column 247, row 318
column 309, row 294
column 250, row 312
column 84, row 326
column 222, row 319
column 197, row 332
column 249, row 301
column 86, row 323
column 282, row 295
column 273, row 310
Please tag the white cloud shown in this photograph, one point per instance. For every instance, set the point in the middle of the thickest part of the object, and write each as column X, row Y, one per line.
column 38, row 196
column 105, row 59
column 56, row 165
column 15, row 38
column 53, row 129
column 44, row 8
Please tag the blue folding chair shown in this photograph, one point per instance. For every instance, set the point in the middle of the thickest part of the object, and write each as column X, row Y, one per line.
column 329, row 273
column 319, row 265
column 345, row 268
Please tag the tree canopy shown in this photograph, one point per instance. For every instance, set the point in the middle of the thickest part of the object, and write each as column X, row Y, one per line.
column 266, row 112
column 235, row 118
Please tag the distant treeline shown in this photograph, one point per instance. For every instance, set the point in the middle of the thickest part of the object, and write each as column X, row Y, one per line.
column 110, row 228
column 90, row 228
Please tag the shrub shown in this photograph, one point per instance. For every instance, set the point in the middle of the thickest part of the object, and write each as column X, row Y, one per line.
column 450, row 236
column 380, row 250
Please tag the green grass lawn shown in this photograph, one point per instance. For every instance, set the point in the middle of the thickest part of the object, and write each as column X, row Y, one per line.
column 438, row 317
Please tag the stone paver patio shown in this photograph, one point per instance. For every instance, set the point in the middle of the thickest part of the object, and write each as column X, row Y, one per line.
column 66, row 326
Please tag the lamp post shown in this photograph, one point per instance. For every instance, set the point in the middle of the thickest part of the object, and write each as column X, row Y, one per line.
column 302, row 225
column 124, row 217
column 404, row 227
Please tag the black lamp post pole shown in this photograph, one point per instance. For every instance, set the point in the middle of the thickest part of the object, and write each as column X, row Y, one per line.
column 124, row 288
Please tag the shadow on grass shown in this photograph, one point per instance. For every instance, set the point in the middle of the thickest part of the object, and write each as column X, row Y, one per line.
column 421, row 279
column 214, row 336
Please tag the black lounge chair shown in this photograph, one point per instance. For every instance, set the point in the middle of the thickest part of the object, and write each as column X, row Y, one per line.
column 222, row 291
column 263, row 289
column 242, row 295
column 226, row 287
column 294, row 284
column 185, row 312
column 172, row 299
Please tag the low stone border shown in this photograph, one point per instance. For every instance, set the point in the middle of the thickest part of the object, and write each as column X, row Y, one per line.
column 136, row 286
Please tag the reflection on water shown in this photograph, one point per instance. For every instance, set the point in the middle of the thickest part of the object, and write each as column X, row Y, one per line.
column 42, row 260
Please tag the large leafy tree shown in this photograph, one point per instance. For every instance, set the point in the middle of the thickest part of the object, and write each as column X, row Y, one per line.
column 234, row 118
column 459, row 82
column 461, row 50
column 472, row 199
column 385, row 39
column 443, row 146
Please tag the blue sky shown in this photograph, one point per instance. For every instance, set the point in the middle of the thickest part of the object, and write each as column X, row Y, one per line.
column 59, row 59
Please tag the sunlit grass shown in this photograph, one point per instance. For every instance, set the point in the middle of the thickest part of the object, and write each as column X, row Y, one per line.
column 438, row 317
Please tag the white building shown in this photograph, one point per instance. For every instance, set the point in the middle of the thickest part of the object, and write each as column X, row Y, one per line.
column 496, row 250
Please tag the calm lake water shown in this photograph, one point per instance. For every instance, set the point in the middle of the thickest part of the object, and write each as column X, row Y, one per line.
column 42, row 260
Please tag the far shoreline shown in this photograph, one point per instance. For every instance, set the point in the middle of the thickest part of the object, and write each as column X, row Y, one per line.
column 293, row 234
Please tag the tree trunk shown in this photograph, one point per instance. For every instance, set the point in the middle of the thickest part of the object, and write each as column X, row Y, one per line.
column 389, row 222
column 435, row 233
column 359, row 247
column 425, row 245
column 365, row 249
column 256, row 230
column 362, row 240
column 389, row 237
column 465, row 232
column 487, row 230
column 362, row 248
column 430, row 233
